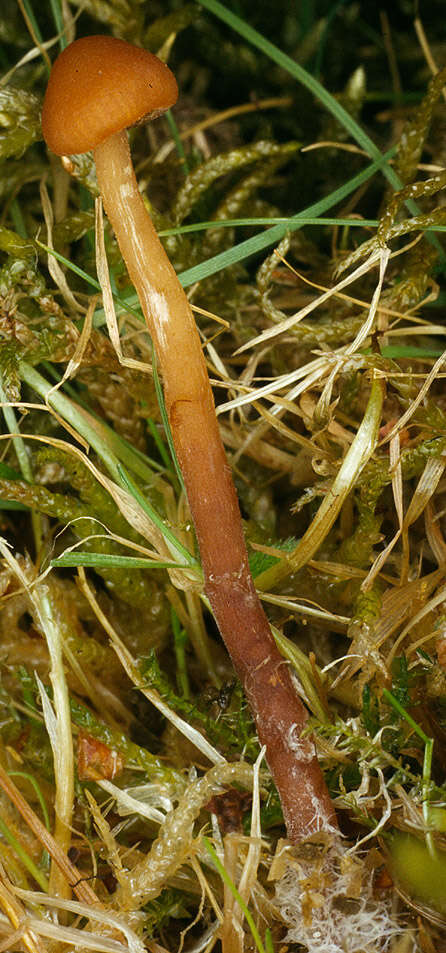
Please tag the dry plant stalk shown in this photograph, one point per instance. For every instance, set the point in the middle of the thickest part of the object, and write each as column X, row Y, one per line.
column 278, row 711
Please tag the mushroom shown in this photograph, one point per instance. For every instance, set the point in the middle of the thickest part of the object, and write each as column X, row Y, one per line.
column 97, row 88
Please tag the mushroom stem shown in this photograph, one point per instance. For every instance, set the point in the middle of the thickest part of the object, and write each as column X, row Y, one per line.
column 278, row 711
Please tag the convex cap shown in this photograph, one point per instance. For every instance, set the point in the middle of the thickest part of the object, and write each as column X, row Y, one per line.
column 99, row 86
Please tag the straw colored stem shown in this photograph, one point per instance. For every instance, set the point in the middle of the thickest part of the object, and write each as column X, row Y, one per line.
column 278, row 711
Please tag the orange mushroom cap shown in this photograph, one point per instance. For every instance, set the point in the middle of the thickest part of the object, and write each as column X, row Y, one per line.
column 99, row 86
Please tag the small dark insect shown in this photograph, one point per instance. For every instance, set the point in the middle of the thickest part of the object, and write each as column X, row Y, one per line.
column 218, row 701
column 224, row 696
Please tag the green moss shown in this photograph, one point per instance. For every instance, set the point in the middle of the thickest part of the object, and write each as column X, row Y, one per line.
column 19, row 121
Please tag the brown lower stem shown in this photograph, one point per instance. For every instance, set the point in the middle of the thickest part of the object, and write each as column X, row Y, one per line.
column 278, row 711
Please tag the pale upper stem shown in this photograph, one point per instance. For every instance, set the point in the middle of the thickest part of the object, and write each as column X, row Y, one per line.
column 278, row 711
column 187, row 391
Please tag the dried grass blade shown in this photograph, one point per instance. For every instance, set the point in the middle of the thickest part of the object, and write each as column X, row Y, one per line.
column 296, row 318
column 53, row 265
column 434, row 535
column 130, row 666
column 357, row 456
column 107, row 295
column 69, row 870
column 16, row 916
column 113, row 921
column 415, row 403
column 59, row 721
